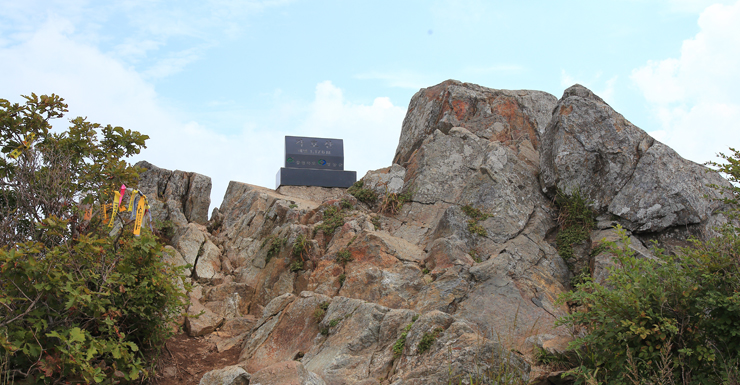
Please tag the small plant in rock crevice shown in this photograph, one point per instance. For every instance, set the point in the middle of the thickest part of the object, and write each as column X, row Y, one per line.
column 376, row 222
column 400, row 343
column 345, row 204
column 475, row 216
column 320, row 312
column 427, row 340
column 274, row 245
column 393, row 202
column 343, row 256
column 333, row 219
column 342, row 278
column 301, row 247
column 474, row 254
column 362, row 194
column 575, row 220
column 296, row 266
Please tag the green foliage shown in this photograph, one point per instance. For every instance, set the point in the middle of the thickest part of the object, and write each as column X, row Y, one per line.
column 425, row 271
column 342, row 278
column 376, row 222
column 324, row 305
column 363, row 194
column 474, row 254
column 292, row 205
column 274, row 245
column 334, row 322
column 333, row 218
column 319, row 314
column 731, row 170
column 575, row 219
column 476, row 229
column 76, row 305
column 301, row 247
column 296, row 266
column 345, row 204
column 679, row 316
column 393, row 202
column 343, row 256
column 475, row 216
column 427, row 340
column 400, row 343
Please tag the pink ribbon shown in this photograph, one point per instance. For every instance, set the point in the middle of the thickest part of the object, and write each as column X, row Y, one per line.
column 123, row 190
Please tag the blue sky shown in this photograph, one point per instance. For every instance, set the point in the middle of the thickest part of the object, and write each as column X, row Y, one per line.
column 218, row 84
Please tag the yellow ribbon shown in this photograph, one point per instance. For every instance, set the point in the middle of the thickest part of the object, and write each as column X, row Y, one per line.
column 26, row 144
column 140, row 207
column 116, row 199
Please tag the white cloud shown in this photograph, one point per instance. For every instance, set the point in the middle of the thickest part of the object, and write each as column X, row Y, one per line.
column 694, row 96
column 399, row 79
column 108, row 91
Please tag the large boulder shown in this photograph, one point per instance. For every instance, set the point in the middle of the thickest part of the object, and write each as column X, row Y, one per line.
column 176, row 194
column 628, row 176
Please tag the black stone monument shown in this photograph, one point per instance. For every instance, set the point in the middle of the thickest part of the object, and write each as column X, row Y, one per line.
column 314, row 162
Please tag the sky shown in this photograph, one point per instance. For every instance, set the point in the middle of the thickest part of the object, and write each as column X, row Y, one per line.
column 217, row 84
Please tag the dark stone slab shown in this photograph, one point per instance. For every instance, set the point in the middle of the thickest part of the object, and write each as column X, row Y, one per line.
column 313, row 177
column 319, row 153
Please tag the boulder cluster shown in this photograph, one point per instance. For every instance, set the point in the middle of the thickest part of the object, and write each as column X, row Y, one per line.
column 441, row 268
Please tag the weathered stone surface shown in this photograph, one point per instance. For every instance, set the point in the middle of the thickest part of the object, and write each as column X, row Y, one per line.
column 230, row 375
column 188, row 193
column 188, row 241
column 289, row 328
column 497, row 115
column 209, row 261
column 386, row 180
column 286, row 373
column 483, row 287
column 624, row 172
column 198, row 324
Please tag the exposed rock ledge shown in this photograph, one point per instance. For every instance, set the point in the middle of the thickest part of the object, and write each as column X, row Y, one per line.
column 486, row 290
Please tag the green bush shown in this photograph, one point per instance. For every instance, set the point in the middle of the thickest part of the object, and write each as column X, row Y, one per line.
column 343, row 256
column 575, row 219
column 333, row 218
column 476, row 215
column 362, row 194
column 675, row 318
column 76, row 304
column 274, row 245
column 301, row 247
column 427, row 340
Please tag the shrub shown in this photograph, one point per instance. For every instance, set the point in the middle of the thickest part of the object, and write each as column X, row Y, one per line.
column 575, row 219
column 333, row 219
column 476, row 215
column 427, row 340
column 393, row 202
column 296, row 266
column 274, row 245
column 301, row 247
column 342, row 278
column 76, row 305
column 400, row 343
column 345, row 204
column 679, row 315
column 362, row 194
column 343, row 256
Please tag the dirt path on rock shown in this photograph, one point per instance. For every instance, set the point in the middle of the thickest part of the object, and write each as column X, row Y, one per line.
column 186, row 359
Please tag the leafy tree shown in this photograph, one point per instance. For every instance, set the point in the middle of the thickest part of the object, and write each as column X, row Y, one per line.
column 670, row 320
column 79, row 302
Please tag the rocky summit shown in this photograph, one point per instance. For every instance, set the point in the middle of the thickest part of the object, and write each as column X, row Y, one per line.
column 443, row 267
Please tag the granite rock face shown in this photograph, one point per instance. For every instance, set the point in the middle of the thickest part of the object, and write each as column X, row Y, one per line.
column 177, row 195
column 320, row 288
column 626, row 174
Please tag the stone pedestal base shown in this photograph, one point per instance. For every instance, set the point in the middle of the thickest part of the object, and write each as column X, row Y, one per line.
column 314, row 177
